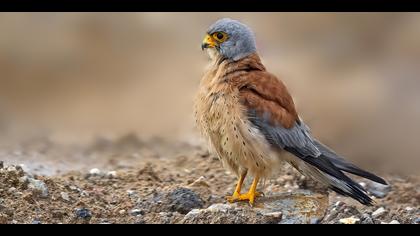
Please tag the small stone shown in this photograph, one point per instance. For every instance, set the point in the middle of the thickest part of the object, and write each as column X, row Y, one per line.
column 136, row 212
column 122, row 212
column 366, row 219
column 379, row 212
column 95, row 172
column 363, row 184
column 1, row 165
column 11, row 190
column 83, row 213
column 112, row 174
column 23, row 179
column 378, row 190
column 314, row 221
column 183, row 200
column 277, row 214
column 84, row 194
column 39, row 186
column 131, row 193
column 394, row 222
column 409, row 209
column 417, row 221
column 349, row 221
column 11, row 169
column 65, row 196
column 36, row 222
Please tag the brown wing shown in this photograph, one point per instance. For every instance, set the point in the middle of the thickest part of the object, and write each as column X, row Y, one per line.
column 270, row 108
column 265, row 94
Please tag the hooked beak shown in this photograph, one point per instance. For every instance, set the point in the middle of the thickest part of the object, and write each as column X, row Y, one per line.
column 208, row 42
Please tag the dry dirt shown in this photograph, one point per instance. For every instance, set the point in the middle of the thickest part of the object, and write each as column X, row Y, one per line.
column 145, row 182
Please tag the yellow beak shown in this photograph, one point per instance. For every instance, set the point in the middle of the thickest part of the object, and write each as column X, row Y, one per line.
column 208, row 42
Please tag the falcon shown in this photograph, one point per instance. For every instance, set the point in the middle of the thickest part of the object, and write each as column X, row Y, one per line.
column 250, row 121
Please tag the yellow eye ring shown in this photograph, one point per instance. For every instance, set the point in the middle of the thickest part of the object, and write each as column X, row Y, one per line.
column 220, row 36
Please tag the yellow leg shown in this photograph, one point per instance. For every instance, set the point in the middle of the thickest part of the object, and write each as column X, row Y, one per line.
column 252, row 193
column 237, row 193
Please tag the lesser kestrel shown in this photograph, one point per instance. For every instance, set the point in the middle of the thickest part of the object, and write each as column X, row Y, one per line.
column 250, row 120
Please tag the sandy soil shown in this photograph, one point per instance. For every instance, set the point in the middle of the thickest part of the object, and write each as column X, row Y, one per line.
column 137, row 181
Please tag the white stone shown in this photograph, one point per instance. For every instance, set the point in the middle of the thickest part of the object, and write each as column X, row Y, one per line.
column 112, row 174
column 65, row 196
column 349, row 221
column 379, row 212
column 95, row 171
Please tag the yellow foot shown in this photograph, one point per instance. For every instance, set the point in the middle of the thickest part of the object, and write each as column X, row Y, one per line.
column 244, row 197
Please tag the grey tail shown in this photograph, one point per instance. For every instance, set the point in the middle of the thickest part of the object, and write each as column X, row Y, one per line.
column 344, row 165
column 336, row 179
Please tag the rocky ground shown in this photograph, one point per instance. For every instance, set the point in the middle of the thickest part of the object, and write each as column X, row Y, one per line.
column 130, row 181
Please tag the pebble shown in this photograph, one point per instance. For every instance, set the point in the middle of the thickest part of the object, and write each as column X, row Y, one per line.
column 379, row 212
column 1, row 164
column 378, row 190
column 39, row 186
column 11, row 190
column 23, row 179
column 417, row 221
column 409, row 209
column 277, row 214
column 112, row 174
column 136, row 212
column 95, row 172
column 83, row 213
column 349, row 221
column 36, row 222
column 366, row 219
column 65, row 196
column 394, row 222
column 315, row 221
column 131, row 192
column 121, row 212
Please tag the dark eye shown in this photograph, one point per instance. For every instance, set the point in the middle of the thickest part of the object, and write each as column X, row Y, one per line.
column 219, row 35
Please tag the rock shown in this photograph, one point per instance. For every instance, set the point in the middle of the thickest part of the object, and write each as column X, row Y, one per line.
column 112, row 174
column 378, row 190
column 95, row 172
column 394, row 222
column 11, row 190
column 122, row 212
column 314, row 220
column 367, row 219
column 409, row 209
column 226, row 214
column 379, row 212
column 39, row 186
column 1, row 164
column 178, row 199
column 300, row 207
column 131, row 193
column 36, row 222
column 349, row 221
column 65, row 196
column 136, row 212
column 416, row 221
column 277, row 214
column 184, row 200
column 83, row 213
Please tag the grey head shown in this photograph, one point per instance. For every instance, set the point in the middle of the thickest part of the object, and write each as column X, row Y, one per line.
column 230, row 38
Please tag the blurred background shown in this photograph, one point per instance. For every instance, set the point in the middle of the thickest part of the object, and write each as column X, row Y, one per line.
column 74, row 77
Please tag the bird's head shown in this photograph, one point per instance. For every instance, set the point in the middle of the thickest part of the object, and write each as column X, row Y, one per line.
column 229, row 39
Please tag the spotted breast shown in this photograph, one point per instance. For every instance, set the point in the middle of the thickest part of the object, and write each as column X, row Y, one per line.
column 222, row 120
